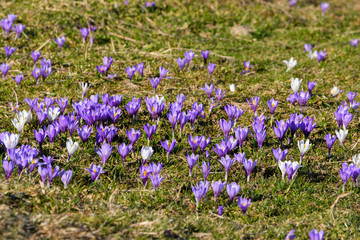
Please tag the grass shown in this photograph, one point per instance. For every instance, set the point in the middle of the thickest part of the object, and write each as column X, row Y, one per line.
column 116, row 206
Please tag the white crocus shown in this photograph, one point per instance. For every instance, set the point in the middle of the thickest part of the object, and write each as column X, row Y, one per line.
column 341, row 135
column 84, row 88
column 146, row 153
column 356, row 160
column 282, row 168
column 19, row 122
column 25, row 115
column 312, row 55
column 290, row 64
column 232, row 87
column 71, row 147
column 11, row 140
column 295, row 84
column 53, row 113
column 303, row 147
column 335, row 91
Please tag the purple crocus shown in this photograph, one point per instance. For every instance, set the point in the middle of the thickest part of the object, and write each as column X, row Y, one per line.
column 219, row 94
column 217, row 187
column 315, row 235
column 156, row 180
column 226, row 126
column 18, row 29
column 140, row 68
column 130, row 72
column 205, row 54
column 8, row 166
column 227, row 162
column 292, row 98
column 321, row 56
column 18, row 79
column 52, row 131
column 290, row 235
column 60, row 41
column 189, row 56
column 6, row 26
column 149, row 130
column 354, row 42
column 163, row 72
column 123, row 150
column 9, row 51
column 292, row 3
column 205, row 168
column 351, row 96
column 272, row 104
column 311, row 86
column 208, row 89
column 155, row 82
column 133, row 107
column 280, row 129
column 101, row 69
column 241, row 134
column 254, row 102
column 181, row 62
column 145, row 172
column 260, row 137
column 211, row 68
column 191, row 159
column 346, row 119
column 291, row 168
column 40, row 136
column 194, row 142
column 35, row 56
column 308, row 47
column 168, row 146
column 244, row 203
column 233, row 112
column 330, row 140
column 66, row 177
column 346, row 172
column 302, row 99
column 84, row 33
column 84, row 133
column 324, row 6
column 232, row 190
column 220, row 210
column 204, row 142
column 307, row 126
column 249, row 165
column 279, row 154
column 200, row 191
column 36, row 73
column 44, row 173
column 4, row 68
column 155, row 168
column 95, row 171
column 53, row 172
column 247, row 67
column 133, row 136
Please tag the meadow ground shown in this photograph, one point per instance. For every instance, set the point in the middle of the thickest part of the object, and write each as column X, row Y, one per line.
column 116, row 206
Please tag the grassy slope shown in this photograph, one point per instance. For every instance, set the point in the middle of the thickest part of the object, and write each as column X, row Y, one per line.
column 265, row 33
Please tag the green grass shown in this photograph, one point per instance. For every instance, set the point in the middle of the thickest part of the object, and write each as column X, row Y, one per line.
column 116, row 206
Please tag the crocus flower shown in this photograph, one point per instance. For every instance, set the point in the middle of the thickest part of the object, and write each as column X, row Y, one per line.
column 11, row 18
column 149, row 4
column 10, row 140
column 346, row 119
column 44, row 173
column 290, row 235
column 60, row 41
column 335, row 91
column 194, row 142
column 302, row 98
column 6, row 26
column 254, row 102
column 330, row 140
column 227, row 162
column 84, row 88
column 4, row 67
column 189, row 56
column 155, row 82
column 71, row 147
column 84, row 133
column 133, row 135
column 241, row 134
column 244, row 203
column 205, row 168
column 149, row 130
column 354, row 42
column 191, row 159
column 292, row 98
column 204, row 142
column 155, row 168
column 205, row 54
column 280, row 129
column 249, row 166
column 315, row 235
column 295, row 84
column 18, row 29
column 84, row 33
column 307, row 126
column 219, row 94
column 324, row 6
column 351, row 96
column 8, row 166
column 9, row 51
column 133, row 107
column 199, row 191
column 232, row 190
column 321, row 56
column 163, row 72
column 279, row 154
column 303, row 147
column 211, row 68
column 247, row 67
column 168, row 146
column 272, row 104
column 181, row 63
column 140, row 68
column 217, row 187
column 291, row 169
column 346, row 172
column 156, row 180
column 308, row 47
column 146, row 153
column 66, row 177
column 226, row 126
column 101, row 69
column 40, row 136
column 341, row 135
column 130, row 71
column 208, row 89
column 52, row 173
column 290, row 64
column 260, row 137
column 232, row 87
column 95, row 171
column 292, row 3
column 123, row 150
column 311, row 86
column 220, row 210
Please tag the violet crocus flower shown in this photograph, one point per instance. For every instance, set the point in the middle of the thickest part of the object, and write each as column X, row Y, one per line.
column 204, row 142
column 244, row 203
column 219, row 94
column 226, row 126
column 354, row 42
column 194, row 142
column 181, row 63
column 330, row 140
column 52, row 131
column 124, row 151
column 249, row 165
column 191, row 159
column 189, row 56
column 260, row 137
column 44, row 173
column 247, row 67
column 205, row 54
column 18, row 29
column 84, row 33
column 302, row 99
column 254, row 102
column 9, row 51
column 291, row 169
column 52, row 173
column 36, row 74
column 217, row 187
column 140, row 68
column 279, row 154
column 292, row 3
column 211, row 68
column 307, row 126
column 66, row 177
column 205, row 168
column 233, row 112
column 18, row 79
column 290, row 235
column 311, row 86
column 6, row 26
column 60, row 41
column 315, row 235
column 130, row 72
column 163, row 72
column 199, row 191
column 95, row 171
column 168, row 146
column 324, row 6
column 227, row 162
column 232, row 190
column 101, row 69
column 8, row 166
column 294, row 122
column 149, row 130
column 321, row 56
column 145, row 172
column 346, row 119
column 84, row 133
column 4, row 67
column 280, row 129
column 156, row 180
column 62, row 103
column 154, row 82
column 133, row 107
column 11, row 18
column 155, row 168
column 40, row 136
column 346, row 172
column 133, row 135
column 220, row 210
column 35, row 56
column 208, row 89
column 351, row 96
column 308, row 47
column 272, row 104
column 183, row 119
column 241, row 134
column 292, row 98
